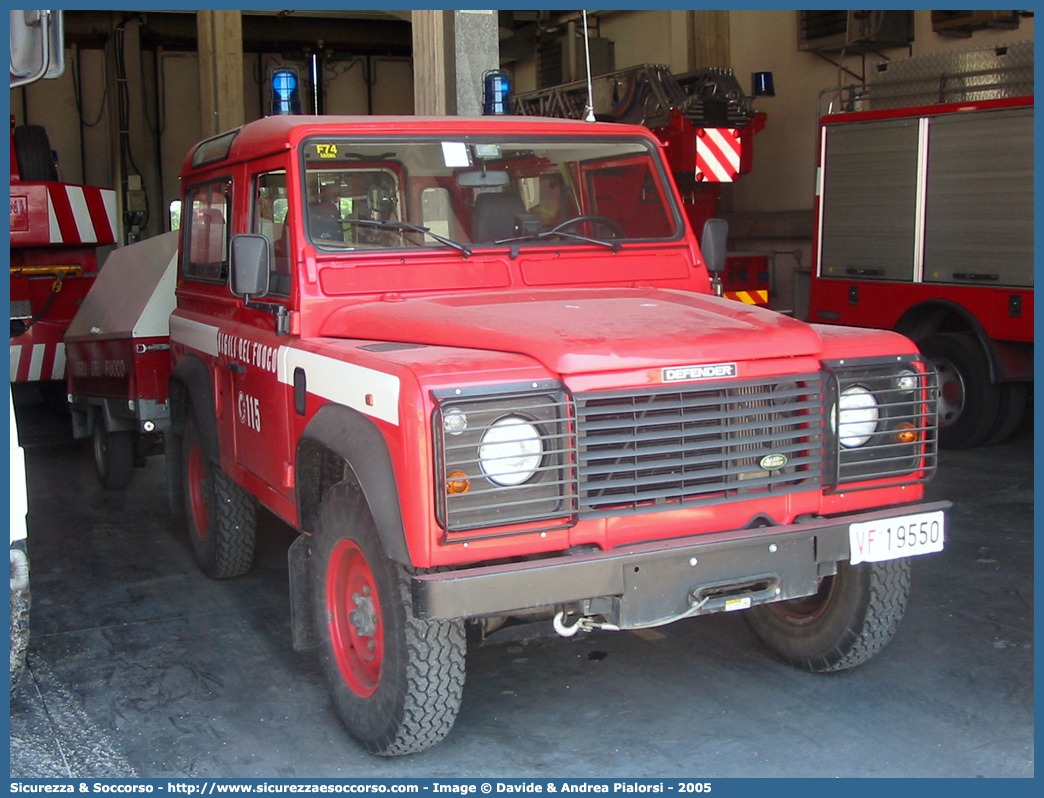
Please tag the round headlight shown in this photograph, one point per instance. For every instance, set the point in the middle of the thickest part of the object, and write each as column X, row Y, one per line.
column 511, row 451
column 857, row 416
column 454, row 422
column 906, row 382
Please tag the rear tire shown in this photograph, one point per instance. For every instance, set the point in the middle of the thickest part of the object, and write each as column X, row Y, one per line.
column 967, row 399
column 850, row 619
column 396, row 680
column 33, row 151
column 221, row 516
column 113, row 456
column 1010, row 409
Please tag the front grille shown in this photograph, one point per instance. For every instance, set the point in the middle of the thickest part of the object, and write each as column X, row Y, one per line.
column 645, row 450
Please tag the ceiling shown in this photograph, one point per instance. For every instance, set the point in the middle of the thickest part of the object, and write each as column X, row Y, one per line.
column 347, row 30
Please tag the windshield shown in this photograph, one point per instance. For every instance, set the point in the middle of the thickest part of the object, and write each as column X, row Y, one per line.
column 470, row 192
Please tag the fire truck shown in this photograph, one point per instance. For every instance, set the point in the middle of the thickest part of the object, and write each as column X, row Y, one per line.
column 925, row 224
column 478, row 363
column 708, row 125
column 56, row 230
column 38, row 203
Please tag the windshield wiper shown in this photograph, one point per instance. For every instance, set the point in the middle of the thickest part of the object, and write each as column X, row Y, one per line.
column 391, row 224
column 613, row 245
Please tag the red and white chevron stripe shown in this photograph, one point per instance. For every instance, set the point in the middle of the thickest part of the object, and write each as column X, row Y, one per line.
column 31, row 362
column 718, row 154
column 62, row 214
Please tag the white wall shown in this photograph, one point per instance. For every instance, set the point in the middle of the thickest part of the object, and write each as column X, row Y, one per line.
column 784, row 152
column 643, row 37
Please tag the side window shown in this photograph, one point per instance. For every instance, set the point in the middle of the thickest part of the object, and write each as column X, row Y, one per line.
column 270, row 219
column 438, row 215
column 206, row 251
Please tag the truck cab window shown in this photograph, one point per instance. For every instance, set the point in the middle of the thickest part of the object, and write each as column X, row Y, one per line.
column 337, row 197
column 271, row 219
column 206, row 253
column 375, row 193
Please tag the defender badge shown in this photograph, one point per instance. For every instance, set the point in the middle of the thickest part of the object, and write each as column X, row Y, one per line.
column 714, row 371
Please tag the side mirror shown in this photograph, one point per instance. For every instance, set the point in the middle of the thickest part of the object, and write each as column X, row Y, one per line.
column 37, row 46
column 250, row 265
column 712, row 244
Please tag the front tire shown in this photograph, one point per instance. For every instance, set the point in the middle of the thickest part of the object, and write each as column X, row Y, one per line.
column 221, row 516
column 396, row 681
column 850, row 619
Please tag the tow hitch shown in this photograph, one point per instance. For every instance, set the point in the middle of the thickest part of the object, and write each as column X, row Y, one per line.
column 725, row 596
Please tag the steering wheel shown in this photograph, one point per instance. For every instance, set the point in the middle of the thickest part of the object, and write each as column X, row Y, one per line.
column 593, row 219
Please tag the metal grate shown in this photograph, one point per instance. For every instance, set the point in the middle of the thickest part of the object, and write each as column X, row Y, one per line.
column 904, row 447
column 976, row 74
column 641, row 450
column 549, row 495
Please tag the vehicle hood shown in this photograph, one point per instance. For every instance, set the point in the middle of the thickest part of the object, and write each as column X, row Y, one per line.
column 574, row 332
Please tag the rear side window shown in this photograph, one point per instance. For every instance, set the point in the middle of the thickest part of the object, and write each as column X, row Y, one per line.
column 206, row 232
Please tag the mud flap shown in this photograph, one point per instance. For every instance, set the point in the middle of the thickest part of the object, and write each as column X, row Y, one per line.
column 301, row 625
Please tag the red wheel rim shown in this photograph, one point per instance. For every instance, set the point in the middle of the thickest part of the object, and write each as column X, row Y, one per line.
column 197, row 472
column 805, row 610
column 951, row 392
column 354, row 612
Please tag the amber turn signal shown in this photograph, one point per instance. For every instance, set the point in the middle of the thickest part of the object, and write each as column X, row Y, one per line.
column 457, row 482
column 907, row 433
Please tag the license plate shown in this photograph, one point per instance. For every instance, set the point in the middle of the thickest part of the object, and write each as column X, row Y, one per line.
column 892, row 538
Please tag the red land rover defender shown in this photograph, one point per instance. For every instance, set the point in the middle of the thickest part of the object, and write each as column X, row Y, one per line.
column 480, row 365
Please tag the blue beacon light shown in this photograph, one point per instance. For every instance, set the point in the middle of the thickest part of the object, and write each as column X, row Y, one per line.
column 286, row 95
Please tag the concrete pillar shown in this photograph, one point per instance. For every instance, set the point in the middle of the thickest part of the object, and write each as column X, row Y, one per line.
column 709, row 39
column 451, row 52
column 477, row 43
column 220, row 70
column 432, row 43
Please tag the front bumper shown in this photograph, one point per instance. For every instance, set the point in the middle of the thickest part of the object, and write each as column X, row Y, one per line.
column 650, row 584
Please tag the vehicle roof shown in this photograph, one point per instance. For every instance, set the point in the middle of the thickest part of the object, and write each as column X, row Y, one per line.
column 275, row 133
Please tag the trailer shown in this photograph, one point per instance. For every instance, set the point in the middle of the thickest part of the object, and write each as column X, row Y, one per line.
column 925, row 224
column 119, row 358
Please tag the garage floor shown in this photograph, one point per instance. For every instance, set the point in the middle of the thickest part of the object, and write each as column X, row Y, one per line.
column 140, row 665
